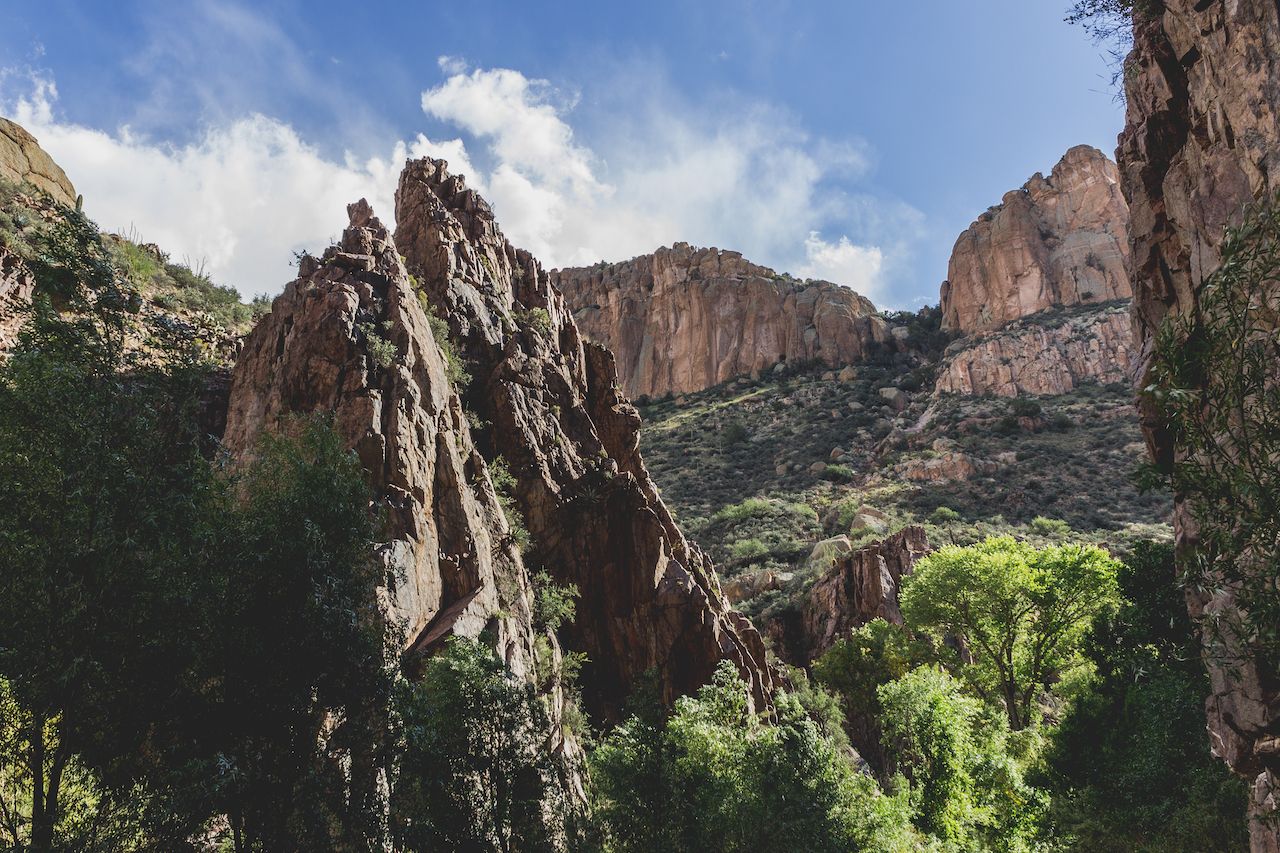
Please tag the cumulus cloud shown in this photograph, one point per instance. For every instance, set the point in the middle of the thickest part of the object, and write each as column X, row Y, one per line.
column 245, row 193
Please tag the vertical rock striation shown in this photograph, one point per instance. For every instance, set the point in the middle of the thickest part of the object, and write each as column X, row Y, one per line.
column 650, row 600
column 1202, row 139
column 683, row 319
column 1060, row 240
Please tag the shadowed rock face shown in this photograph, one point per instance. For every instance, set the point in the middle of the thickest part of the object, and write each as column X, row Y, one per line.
column 649, row 599
column 22, row 160
column 1202, row 139
column 683, row 319
column 1061, row 240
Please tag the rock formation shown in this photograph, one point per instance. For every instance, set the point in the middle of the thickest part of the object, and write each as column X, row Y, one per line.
column 554, row 412
column 1060, row 240
column 1202, row 139
column 683, row 319
column 860, row 586
column 22, row 160
column 1033, row 356
column 16, row 289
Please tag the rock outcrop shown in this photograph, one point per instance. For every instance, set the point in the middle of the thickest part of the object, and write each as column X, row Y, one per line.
column 22, row 160
column 1042, row 355
column 861, row 585
column 1202, row 140
column 16, row 289
column 683, row 319
column 554, row 412
column 1060, row 240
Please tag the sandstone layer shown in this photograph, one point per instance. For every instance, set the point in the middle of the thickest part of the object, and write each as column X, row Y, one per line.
column 683, row 319
column 22, row 160
column 1042, row 355
column 1060, row 240
column 554, row 412
column 1202, row 139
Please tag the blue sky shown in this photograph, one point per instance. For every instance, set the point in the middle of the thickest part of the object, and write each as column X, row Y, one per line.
column 845, row 140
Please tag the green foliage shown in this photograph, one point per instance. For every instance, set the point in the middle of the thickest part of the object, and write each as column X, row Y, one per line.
column 837, row 473
column 504, row 485
column 1021, row 612
column 713, row 777
column 383, row 352
column 473, row 772
column 1050, row 526
column 455, row 369
column 733, row 433
column 536, row 319
column 1129, row 765
column 944, row 515
column 553, row 604
column 1215, row 381
column 928, row 726
column 1022, row 407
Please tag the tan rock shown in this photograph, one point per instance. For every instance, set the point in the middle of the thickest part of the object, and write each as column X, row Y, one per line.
column 954, row 465
column 1028, row 357
column 683, row 319
column 22, row 160
column 1061, row 240
column 1202, row 141
column 848, row 373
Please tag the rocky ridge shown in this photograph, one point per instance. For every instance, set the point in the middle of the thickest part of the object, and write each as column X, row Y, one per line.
column 1057, row 241
column 1202, row 140
column 553, row 410
column 683, row 318
column 22, row 160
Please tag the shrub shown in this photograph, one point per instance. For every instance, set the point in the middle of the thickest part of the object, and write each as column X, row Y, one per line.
column 553, row 604
column 1050, row 526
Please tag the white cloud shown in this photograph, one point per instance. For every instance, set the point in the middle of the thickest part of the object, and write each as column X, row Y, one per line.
column 244, row 193
column 859, row 267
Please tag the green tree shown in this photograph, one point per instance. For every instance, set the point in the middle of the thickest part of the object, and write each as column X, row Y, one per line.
column 1017, row 613
column 474, row 773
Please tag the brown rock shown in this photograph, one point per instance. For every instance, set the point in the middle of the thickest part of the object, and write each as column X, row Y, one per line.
column 1026, row 357
column 1202, row 140
column 16, row 289
column 944, row 467
column 862, row 585
column 22, row 160
column 684, row 319
column 650, row 599
column 1061, row 240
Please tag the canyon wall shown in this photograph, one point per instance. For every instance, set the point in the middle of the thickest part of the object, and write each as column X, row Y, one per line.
column 1060, row 240
column 1202, row 140
column 552, row 409
column 683, row 319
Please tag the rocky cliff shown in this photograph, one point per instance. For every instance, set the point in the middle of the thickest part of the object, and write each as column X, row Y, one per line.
column 860, row 586
column 1060, row 240
column 22, row 160
column 1202, row 139
column 1048, row 353
column 683, row 319
column 552, row 409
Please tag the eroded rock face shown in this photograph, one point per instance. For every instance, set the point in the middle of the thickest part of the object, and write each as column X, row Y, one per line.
column 683, row 319
column 22, row 160
column 556, row 415
column 1030, row 357
column 1060, row 240
column 16, row 289
column 861, row 585
column 1202, row 139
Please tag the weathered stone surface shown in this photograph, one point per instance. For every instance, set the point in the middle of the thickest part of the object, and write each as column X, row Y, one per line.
column 16, row 289
column 951, row 465
column 650, row 599
column 1061, row 240
column 1202, row 139
column 683, row 319
column 1029, row 357
column 862, row 585
column 22, row 160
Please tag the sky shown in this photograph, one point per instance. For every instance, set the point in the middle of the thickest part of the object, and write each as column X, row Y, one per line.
column 850, row 140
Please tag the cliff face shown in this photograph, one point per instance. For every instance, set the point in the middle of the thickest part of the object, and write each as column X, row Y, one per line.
column 555, row 414
column 22, row 160
column 683, row 319
column 1029, row 357
column 1060, row 240
column 16, row 289
column 860, row 586
column 1202, row 139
